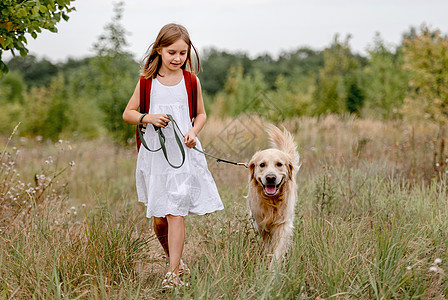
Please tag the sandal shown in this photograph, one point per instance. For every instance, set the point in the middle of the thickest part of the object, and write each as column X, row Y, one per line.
column 172, row 281
column 183, row 269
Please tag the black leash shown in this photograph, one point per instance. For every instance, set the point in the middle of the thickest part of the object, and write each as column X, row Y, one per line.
column 179, row 144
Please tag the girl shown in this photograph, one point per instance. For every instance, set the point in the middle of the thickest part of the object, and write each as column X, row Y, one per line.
column 168, row 193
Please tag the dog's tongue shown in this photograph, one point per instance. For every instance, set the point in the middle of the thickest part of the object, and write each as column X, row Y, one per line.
column 270, row 190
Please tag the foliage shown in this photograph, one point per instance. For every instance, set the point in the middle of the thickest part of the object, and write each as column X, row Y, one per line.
column 384, row 81
column 334, row 80
column 116, row 76
column 36, row 72
column 217, row 64
column 12, row 88
column 292, row 95
column 355, row 96
column 426, row 58
column 21, row 17
column 240, row 93
column 408, row 80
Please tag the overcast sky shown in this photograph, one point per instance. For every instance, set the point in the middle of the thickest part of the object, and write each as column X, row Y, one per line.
column 253, row 26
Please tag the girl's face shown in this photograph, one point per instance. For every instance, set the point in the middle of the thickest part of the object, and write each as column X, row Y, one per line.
column 173, row 56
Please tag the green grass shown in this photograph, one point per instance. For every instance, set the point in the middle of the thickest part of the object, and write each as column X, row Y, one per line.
column 367, row 226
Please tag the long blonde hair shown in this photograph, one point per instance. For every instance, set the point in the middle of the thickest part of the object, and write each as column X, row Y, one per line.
column 168, row 35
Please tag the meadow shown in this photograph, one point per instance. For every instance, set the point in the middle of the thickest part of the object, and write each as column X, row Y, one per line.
column 371, row 220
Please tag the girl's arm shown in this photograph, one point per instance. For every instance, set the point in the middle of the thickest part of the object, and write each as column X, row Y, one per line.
column 131, row 114
column 199, row 121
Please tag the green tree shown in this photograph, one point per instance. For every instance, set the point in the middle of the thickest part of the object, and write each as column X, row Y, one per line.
column 36, row 72
column 116, row 76
column 20, row 17
column 240, row 93
column 12, row 87
column 292, row 95
column 355, row 96
column 331, row 91
column 216, row 66
column 46, row 110
column 426, row 60
column 384, row 80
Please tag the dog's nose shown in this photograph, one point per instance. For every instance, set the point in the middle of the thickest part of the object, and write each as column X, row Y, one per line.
column 270, row 178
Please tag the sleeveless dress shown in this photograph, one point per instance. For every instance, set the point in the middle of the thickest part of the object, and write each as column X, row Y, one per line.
column 164, row 190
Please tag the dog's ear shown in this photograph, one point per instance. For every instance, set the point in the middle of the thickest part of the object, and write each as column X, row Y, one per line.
column 252, row 169
column 290, row 170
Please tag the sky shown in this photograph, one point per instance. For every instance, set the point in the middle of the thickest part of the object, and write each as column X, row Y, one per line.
column 252, row 26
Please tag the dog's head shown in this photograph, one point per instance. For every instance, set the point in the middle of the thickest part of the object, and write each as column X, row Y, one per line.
column 271, row 169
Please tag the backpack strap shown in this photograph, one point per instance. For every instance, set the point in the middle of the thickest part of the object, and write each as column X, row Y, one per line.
column 191, row 84
column 145, row 93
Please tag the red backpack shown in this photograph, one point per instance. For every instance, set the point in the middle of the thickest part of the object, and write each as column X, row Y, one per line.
column 192, row 90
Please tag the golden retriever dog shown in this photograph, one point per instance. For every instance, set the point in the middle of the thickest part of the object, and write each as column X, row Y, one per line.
column 272, row 194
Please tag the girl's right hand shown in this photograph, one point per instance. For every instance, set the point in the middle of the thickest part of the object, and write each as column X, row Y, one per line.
column 159, row 120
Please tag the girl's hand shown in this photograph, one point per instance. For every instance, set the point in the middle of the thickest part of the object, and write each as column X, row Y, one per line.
column 190, row 139
column 159, row 120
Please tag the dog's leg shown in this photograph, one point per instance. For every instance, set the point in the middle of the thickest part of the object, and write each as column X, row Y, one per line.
column 280, row 240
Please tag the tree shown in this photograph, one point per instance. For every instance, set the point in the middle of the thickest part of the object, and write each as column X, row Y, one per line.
column 19, row 17
column 426, row 60
column 117, row 75
column 355, row 96
column 384, row 80
column 36, row 72
column 216, row 66
column 334, row 79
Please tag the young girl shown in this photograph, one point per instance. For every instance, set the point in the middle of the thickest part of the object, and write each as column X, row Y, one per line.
column 168, row 193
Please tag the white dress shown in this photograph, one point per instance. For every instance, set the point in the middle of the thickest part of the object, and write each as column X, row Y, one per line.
column 189, row 189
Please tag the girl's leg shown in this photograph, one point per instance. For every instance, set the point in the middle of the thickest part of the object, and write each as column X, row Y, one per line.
column 176, row 239
column 161, row 231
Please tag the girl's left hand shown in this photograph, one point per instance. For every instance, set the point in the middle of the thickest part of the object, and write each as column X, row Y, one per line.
column 190, row 139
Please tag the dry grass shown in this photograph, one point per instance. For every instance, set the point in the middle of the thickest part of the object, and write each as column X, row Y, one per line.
column 371, row 219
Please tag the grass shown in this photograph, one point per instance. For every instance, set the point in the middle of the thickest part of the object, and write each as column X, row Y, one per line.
column 371, row 220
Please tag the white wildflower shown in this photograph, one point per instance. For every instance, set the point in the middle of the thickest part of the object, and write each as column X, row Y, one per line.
column 433, row 269
column 408, row 268
column 437, row 261
column 72, row 208
column 72, row 163
column 83, row 205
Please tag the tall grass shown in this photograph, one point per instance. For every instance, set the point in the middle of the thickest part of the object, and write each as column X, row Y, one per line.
column 370, row 223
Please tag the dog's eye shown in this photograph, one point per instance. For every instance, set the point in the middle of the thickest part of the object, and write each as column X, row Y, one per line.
column 279, row 164
column 262, row 165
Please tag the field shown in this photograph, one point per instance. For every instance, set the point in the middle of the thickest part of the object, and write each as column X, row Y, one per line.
column 371, row 220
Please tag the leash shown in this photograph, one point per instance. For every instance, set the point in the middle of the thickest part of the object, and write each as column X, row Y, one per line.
column 179, row 144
